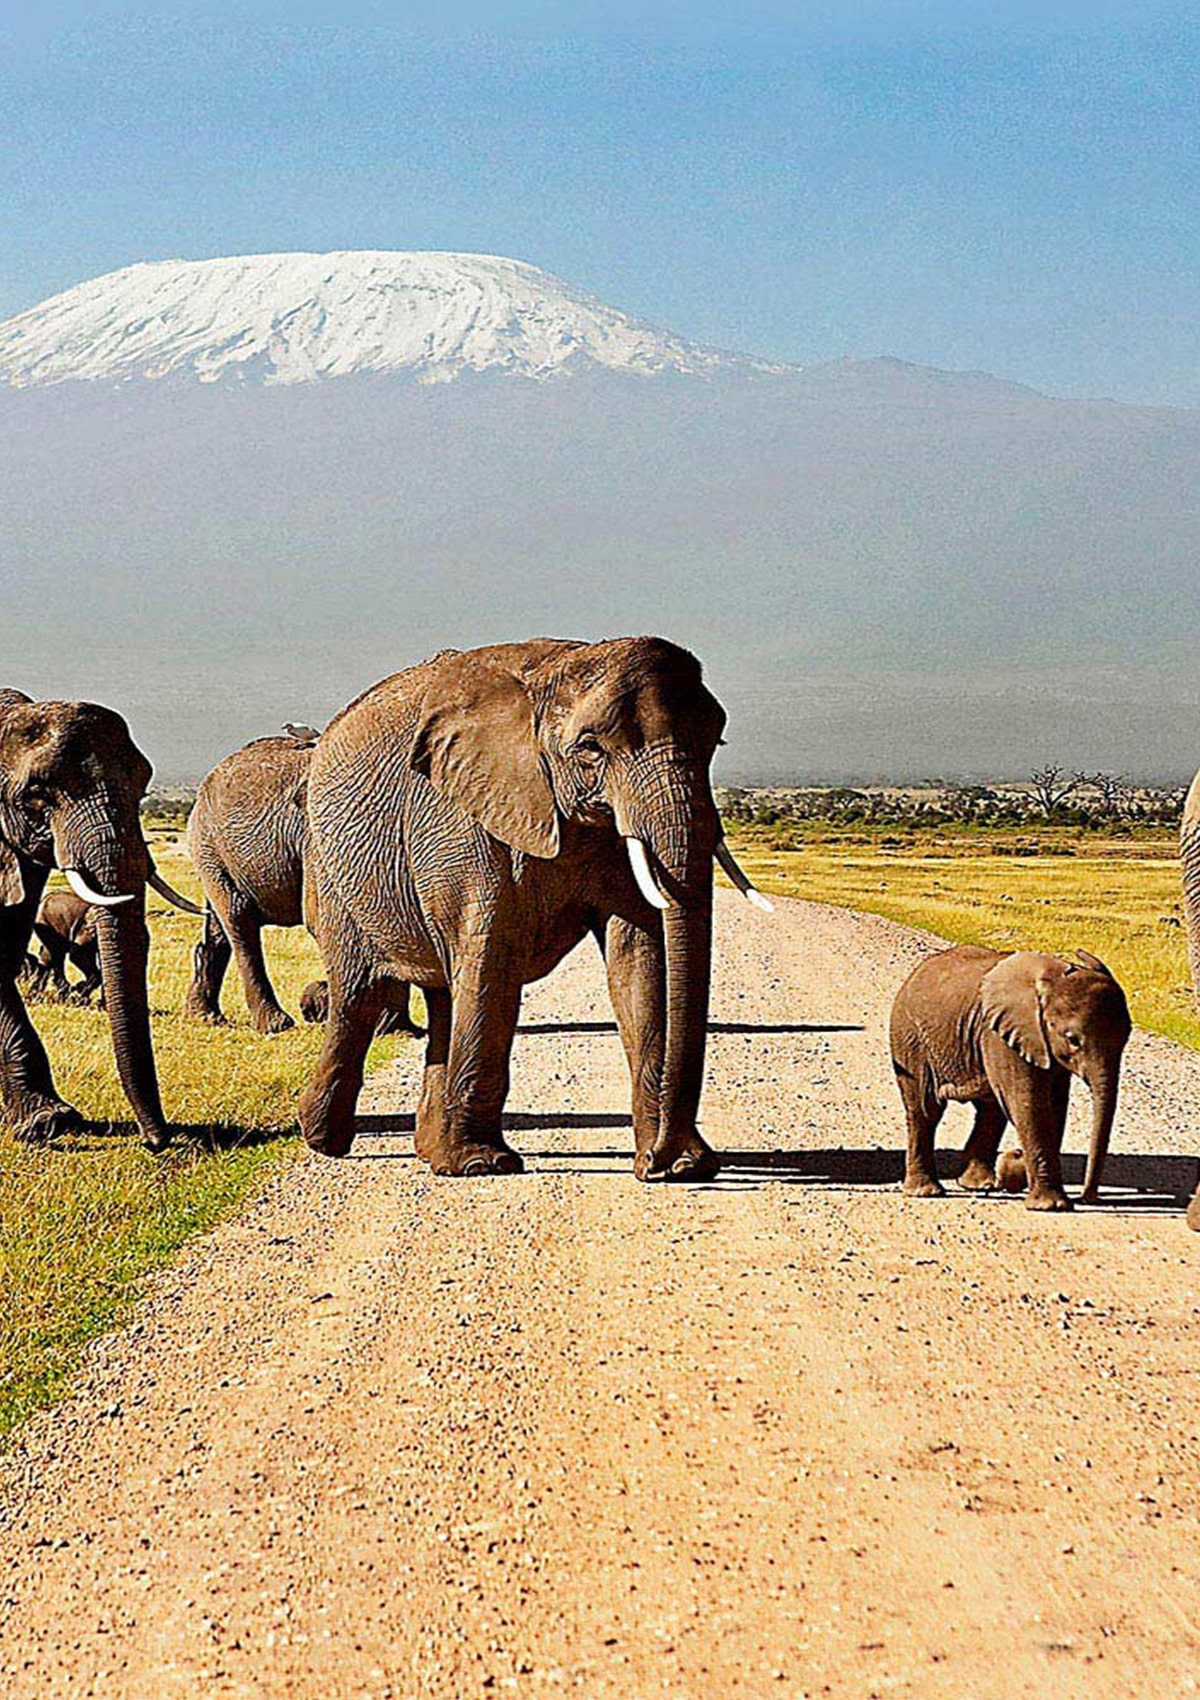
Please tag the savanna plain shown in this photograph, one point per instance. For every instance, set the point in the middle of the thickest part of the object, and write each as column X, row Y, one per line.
column 282, row 1426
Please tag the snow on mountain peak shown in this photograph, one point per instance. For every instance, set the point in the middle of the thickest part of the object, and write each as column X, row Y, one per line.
column 294, row 318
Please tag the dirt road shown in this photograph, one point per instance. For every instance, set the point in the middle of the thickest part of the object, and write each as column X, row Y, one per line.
column 786, row 1434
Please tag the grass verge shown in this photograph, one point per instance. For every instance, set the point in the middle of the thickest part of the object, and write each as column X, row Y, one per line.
column 81, row 1225
column 1119, row 898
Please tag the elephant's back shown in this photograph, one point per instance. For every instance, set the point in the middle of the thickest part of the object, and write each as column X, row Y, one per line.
column 938, row 989
column 248, row 825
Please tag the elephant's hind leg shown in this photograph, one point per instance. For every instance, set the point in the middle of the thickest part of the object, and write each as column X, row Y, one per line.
column 328, row 1102
column 267, row 1014
column 210, row 959
column 982, row 1148
column 924, row 1110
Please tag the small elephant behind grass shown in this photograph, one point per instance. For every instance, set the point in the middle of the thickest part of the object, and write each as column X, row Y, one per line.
column 1007, row 1033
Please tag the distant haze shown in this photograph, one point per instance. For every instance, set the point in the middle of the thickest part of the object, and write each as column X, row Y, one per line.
column 888, row 570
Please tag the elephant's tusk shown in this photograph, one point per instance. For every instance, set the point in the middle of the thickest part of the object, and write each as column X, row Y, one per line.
column 82, row 889
column 647, row 884
column 750, row 892
column 159, row 884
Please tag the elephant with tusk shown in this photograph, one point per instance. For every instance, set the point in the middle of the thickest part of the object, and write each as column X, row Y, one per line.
column 471, row 820
column 71, row 781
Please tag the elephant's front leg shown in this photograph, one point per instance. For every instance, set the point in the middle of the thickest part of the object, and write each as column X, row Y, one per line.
column 637, row 984
column 33, row 1109
column 466, row 1138
column 1038, row 1110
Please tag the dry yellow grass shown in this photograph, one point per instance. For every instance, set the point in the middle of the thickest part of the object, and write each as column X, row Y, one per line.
column 1120, row 900
column 82, row 1224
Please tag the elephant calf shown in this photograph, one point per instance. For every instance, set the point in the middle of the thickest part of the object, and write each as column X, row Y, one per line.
column 1006, row 1033
column 65, row 930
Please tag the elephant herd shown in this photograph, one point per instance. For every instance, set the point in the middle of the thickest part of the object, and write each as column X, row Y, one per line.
column 460, row 827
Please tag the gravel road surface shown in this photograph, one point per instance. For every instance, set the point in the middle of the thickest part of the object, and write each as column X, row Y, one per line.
column 785, row 1434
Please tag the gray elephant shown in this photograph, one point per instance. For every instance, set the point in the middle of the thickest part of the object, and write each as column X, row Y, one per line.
column 471, row 820
column 71, row 781
column 1007, row 1033
column 1189, row 856
column 247, row 836
column 65, row 930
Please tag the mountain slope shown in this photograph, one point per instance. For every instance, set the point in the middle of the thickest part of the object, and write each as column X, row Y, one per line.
column 292, row 318
column 888, row 569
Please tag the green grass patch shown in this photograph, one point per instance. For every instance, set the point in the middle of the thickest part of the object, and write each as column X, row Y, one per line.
column 81, row 1225
column 1054, row 891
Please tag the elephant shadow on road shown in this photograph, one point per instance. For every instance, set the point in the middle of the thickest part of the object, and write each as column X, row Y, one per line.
column 543, row 1028
column 1133, row 1181
column 209, row 1137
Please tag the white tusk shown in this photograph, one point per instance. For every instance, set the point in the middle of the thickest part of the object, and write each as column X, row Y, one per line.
column 750, row 892
column 159, row 884
column 647, row 884
column 81, row 888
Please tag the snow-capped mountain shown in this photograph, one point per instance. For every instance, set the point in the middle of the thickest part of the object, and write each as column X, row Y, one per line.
column 292, row 318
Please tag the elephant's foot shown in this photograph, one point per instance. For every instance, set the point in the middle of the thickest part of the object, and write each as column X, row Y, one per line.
column 689, row 1159
column 332, row 1135
column 923, row 1186
column 1048, row 1198
column 978, row 1176
column 465, row 1161
column 197, row 1008
column 40, row 1121
column 271, row 1019
column 1193, row 1212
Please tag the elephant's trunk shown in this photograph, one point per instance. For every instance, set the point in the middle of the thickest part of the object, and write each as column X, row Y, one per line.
column 688, row 937
column 124, row 944
column 680, row 829
column 1104, row 1085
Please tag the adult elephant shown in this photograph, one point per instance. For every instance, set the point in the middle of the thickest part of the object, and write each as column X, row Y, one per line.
column 246, row 836
column 471, row 820
column 1189, row 855
column 71, row 780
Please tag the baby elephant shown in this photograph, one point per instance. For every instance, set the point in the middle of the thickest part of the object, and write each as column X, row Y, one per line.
column 1006, row 1033
column 65, row 931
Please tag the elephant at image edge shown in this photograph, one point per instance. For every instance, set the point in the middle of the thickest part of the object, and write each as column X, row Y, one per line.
column 246, row 836
column 1007, row 1033
column 1189, row 854
column 71, row 781
column 472, row 819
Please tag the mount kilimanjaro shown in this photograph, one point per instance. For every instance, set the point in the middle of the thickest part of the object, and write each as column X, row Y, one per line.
column 233, row 492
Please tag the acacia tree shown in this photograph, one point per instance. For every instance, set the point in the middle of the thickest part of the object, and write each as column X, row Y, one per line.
column 1051, row 786
column 1111, row 790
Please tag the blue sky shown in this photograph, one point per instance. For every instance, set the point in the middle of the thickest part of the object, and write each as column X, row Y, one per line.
column 1009, row 188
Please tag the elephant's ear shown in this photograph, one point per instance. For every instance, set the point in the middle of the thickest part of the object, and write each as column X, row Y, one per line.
column 1095, row 964
column 1010, row 997
column 475, row 743
column 12, row 886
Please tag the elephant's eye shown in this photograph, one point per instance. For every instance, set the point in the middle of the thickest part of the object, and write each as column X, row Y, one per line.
column 588, row 748
column 1074, row 1040
column 36, row 799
